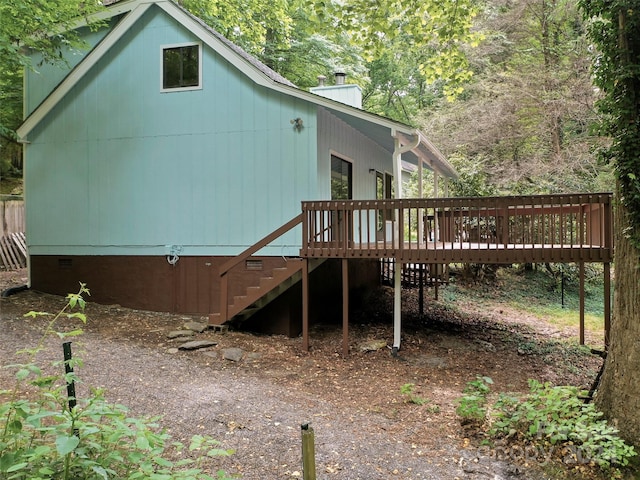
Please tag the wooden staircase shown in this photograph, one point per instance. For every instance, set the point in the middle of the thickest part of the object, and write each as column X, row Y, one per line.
column 256, row 297
column 241, row 307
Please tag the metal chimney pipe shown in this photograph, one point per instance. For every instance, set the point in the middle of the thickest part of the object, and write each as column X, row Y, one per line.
column 340, row 78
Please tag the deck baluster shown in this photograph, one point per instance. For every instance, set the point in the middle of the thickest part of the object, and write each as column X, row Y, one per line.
column 558, row 228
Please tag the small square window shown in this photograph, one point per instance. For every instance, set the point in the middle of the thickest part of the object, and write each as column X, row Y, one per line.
column 181, row 67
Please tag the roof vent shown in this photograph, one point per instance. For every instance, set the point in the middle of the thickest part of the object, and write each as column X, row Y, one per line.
column 321, row 79
column 340, row 77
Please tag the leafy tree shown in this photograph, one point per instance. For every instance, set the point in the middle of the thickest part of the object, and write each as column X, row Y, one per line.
column 315, row 50
column 527, row 113
column 42, row 26
column 255, row 25
column 438, row 31
column 10, row 109
column 615, row 31
column 398, row 88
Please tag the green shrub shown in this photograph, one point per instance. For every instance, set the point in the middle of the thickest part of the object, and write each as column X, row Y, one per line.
column 472, row 406
column 557, row 415
column 551, row 420
column 42, row 438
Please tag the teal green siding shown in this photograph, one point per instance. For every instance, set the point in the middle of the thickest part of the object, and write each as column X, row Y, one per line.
column 120, row 168
column 42, row 78
column 338, row 138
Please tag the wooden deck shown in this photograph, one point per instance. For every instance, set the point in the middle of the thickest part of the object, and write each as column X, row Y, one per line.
column 545, row 228
column 575, row 228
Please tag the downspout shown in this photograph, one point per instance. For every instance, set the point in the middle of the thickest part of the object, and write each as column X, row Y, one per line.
column 25, row 191
column 397, row 284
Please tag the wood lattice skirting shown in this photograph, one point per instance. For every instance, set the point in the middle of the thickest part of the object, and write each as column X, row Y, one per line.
column 13, row 251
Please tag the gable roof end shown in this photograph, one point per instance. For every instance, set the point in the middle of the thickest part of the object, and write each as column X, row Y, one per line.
column 253, row 68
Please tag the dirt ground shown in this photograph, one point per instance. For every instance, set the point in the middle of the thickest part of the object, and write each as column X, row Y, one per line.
column 365, row 428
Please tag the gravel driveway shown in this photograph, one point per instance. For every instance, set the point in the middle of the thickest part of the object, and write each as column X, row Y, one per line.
column 256, row 406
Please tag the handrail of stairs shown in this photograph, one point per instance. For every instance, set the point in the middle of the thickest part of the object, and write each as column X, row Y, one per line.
column 227, row 266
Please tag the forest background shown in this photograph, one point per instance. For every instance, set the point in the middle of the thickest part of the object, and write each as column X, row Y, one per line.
column 522, row 96
column 502, row 87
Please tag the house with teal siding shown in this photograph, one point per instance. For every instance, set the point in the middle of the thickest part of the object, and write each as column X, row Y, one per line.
column 164, row 150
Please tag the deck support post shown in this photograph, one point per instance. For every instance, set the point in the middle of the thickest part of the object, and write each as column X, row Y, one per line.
column 581, row 264
column 421, row 211
column 607, row 304
column 345, row 307
column 421, row 280
column 305, row 304
column 397, row 306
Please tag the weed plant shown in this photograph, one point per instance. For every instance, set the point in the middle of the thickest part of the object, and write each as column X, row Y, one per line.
column 407, row 390
column 42, row 438
column 472, row 406
column 552, row 420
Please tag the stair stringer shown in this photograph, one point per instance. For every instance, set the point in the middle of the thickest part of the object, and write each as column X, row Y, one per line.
column 269, row 288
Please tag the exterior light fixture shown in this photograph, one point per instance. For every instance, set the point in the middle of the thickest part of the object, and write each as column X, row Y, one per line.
column 297, row 124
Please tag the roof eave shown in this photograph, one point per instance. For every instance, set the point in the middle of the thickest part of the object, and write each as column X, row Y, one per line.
column 139, row 8
column 136, row 8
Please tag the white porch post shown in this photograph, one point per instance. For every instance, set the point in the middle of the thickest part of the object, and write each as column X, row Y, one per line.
column 397, row 284
column 397, row 307
column 397, row 274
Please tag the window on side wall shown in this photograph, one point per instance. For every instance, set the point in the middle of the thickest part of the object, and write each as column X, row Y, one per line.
column 380, row 196
column 341, row 179
column 181, row 67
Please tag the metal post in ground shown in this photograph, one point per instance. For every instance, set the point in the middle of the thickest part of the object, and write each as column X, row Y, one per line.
column 308, row 453
column 71, row 386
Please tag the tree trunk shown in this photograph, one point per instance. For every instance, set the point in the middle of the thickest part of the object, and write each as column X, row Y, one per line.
column 618, row 395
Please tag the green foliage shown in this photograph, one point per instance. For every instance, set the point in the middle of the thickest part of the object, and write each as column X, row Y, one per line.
column 26, row 27
column 472, row 406
column 397, row 87
column 407, row 390
column 39, row 26
column 315, row 50
column 472, row 180
column 41, row 438
column 255, row 25
column 614, row 29
column 551, row 415
column 525, row 119
column 539, row 290
column 548, row 418
column 437, row 31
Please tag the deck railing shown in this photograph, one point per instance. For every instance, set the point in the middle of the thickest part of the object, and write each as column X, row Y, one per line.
column 515, row 229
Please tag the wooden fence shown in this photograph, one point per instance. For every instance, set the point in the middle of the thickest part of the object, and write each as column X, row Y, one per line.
column 13, row 250
column 11, row 215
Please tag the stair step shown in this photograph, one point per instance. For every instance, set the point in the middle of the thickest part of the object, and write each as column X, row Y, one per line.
column 238, row 299
column 269, row 288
